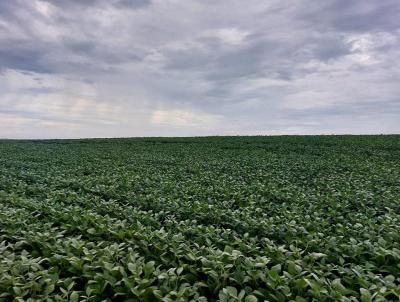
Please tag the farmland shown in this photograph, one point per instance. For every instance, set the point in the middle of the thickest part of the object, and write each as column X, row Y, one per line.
column 289, row 218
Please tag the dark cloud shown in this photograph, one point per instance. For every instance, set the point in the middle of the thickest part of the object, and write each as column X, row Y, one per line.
column 75, row 3
column 135, row 4
column 103, row 54
column 343, row 15
column 23, row 58
column 243, row 67
column 7, row 7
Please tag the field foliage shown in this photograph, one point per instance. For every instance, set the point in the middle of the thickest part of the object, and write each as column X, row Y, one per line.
column 314, row 218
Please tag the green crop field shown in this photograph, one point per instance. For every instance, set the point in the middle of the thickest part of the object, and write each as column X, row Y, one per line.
column 290, row 218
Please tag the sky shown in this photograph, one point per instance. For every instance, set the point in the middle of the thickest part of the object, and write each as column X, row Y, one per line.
column 120, row 68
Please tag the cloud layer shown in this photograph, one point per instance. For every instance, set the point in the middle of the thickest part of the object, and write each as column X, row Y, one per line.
column 100, row 68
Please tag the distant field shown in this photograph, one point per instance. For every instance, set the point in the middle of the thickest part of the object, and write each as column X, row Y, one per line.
column 291, row 218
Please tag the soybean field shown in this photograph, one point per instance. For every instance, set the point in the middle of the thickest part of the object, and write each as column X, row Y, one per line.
column 279, row 218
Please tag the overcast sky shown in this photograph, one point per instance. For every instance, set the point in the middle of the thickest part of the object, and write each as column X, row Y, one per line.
column 99, row 68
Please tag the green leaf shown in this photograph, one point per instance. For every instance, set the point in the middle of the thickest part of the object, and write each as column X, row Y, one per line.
column 273, row 274
column 293, row 268
column 149, row 268
column 365, row 295
column 302, row 283
column 250, row 298
column 232, row 291
column 17, row 290
column 336, row 284
column 317, row 255
column 277, row 268
column 91, row 231
column 241, row 294
column 71, row 285
column 49, row 289
column 74, row 297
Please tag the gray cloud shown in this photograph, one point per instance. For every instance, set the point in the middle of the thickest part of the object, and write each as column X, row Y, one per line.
column 23, row 59
column 70, row 3
column 356, row 15
column 79, row 4
column 135, row 4
column 141, row 67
